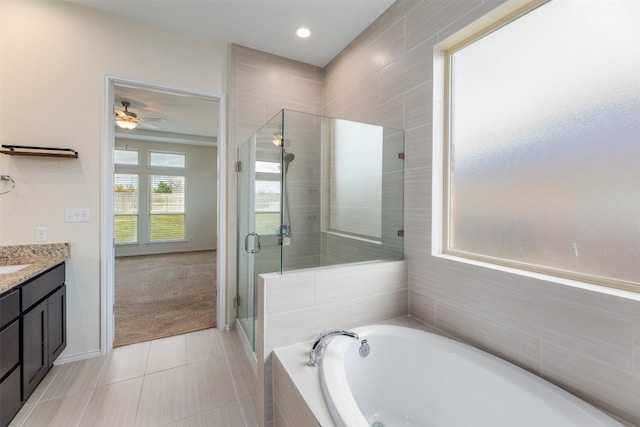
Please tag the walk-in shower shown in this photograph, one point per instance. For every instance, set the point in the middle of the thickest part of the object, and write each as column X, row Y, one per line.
column 312, row 192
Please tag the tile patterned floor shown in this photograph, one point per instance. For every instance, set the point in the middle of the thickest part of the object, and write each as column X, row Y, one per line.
column 196, row 379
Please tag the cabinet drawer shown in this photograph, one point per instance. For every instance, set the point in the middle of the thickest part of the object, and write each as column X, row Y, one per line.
column 41, row 286
column 9, row 307
column 10, row 397
column 9, row 348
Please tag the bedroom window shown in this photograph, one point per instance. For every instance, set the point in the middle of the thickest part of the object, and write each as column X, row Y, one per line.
column 267, row 201
column 540, row 155
column 167, row 208
column 125, row 203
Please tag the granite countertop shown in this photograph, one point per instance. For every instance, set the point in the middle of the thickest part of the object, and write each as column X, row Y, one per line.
column 40, row 258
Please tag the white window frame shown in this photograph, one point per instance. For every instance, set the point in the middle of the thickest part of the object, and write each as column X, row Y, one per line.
column 500, row 16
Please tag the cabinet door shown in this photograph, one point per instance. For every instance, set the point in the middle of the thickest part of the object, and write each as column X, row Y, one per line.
column 57, row 323
column 35, row 348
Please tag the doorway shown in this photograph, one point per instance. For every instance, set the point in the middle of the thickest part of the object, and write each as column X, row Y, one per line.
column 162, row 183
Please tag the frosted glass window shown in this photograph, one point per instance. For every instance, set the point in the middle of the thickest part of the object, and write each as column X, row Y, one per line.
column 544, row 143
column 355, row 187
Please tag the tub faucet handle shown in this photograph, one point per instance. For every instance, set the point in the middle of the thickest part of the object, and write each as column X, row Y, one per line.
column 318, row 346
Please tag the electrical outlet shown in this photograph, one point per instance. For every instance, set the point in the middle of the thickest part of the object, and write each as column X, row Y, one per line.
column 41, row 234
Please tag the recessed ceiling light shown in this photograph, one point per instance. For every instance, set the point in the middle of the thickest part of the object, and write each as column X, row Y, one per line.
column 303, row 32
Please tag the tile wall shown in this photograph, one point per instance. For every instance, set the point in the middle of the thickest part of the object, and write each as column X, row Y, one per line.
column 585, row 341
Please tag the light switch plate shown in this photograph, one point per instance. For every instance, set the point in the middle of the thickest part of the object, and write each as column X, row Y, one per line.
column 76, row 215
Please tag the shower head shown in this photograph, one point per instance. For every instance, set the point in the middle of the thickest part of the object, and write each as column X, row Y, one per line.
column 288, row 158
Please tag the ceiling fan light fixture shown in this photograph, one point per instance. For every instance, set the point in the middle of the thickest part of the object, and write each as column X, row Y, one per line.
column 126, row 124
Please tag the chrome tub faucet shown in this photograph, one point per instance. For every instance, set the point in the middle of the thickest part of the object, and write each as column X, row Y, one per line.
column 321, row 342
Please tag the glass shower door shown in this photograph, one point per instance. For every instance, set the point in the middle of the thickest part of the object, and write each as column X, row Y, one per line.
column 259, row 218
column 246, row 241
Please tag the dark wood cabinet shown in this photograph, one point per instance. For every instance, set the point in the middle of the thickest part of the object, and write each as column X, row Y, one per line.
column 33, row 333
column 35, row 347
column 57, row 306
column 10, row 396
column 10, row 401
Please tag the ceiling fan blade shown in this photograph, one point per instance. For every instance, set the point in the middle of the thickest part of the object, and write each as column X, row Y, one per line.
column 153, row 119
column 144, row 125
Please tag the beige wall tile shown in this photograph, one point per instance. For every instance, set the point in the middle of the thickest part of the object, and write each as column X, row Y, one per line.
column 378, row 308
column 497, row 338
column 290, row 291
column 302, row 325
column 422, row 306
column 291, row 410
column 611, row 389
column 346, row 283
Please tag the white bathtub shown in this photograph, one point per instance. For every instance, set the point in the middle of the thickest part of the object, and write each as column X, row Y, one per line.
column 414, row 378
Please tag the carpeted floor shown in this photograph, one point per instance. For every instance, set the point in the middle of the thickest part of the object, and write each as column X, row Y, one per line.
column 158, row 296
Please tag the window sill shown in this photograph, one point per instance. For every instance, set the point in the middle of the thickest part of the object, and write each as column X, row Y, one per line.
column 350, row 236
column 620, row 293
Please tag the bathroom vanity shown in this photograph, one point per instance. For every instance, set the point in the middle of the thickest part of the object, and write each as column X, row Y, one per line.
column 32, row 330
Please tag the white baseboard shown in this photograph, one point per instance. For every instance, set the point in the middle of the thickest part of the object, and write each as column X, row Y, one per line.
column 76, row 357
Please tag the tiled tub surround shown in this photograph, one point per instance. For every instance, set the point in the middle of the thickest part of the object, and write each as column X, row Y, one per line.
column 295, row 306
column 298, row 397
column 39, row 257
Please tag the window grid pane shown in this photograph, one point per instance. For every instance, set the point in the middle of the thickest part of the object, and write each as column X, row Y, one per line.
column 166, row 227
column 170, row 160
column 125, row 206
column 125, row 157
column 125, row 229
column 167, row 208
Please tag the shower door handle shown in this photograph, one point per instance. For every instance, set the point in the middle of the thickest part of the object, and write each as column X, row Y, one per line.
column 246, row 243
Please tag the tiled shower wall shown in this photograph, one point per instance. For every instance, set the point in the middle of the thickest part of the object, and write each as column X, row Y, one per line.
column 585, row 341
column 260, row 85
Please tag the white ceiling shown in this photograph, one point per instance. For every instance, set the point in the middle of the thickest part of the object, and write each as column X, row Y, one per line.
column 168, row 117
column 266, row 25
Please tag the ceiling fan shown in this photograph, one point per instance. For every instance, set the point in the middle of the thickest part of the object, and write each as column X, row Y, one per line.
column 129, row 120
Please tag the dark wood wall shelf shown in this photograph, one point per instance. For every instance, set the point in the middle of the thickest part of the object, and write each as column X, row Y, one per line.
column 25, row 150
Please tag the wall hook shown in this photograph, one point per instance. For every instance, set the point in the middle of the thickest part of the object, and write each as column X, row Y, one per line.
column 9, row 179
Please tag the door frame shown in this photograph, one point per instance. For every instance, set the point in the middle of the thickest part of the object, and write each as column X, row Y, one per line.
column 107, row 252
